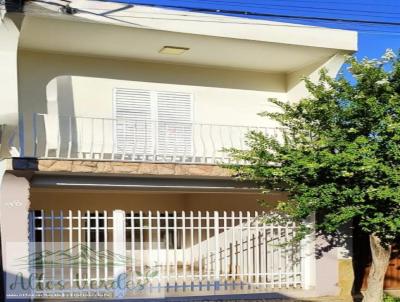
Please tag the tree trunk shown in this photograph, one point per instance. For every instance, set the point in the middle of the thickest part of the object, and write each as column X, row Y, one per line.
column 380, row 261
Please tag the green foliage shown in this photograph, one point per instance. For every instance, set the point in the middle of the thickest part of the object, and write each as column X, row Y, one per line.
column 339, row 152
column 388, row 298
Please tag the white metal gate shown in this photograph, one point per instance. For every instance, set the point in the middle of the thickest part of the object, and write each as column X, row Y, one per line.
column 164, row 251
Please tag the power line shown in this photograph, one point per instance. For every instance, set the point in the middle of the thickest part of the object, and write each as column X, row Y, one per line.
column 249, row 4
column 281, row 9
column 250, row 14
column 313, row 2
column 369, row 31
column 255, row 14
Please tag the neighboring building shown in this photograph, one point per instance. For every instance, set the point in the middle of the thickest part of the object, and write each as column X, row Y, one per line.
column 115, row 118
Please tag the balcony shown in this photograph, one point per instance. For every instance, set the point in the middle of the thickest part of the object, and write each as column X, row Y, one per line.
column 93, row 138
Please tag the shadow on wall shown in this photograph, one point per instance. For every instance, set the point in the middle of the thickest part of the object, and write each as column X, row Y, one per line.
column 60, row 107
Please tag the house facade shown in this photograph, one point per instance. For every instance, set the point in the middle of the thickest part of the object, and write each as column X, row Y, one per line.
column 114, row 124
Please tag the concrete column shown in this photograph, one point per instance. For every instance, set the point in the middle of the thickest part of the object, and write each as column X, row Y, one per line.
column 14, row 209
column 326, row 274
column 9, row 35
column 345, row 261
column 308, row 257
column 119, row 249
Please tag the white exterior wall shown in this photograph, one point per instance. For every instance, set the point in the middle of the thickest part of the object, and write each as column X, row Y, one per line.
column 93, row 97
column 222, row 89
column 221, row 96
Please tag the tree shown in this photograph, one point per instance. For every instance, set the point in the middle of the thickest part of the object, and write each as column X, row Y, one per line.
column 338, row 154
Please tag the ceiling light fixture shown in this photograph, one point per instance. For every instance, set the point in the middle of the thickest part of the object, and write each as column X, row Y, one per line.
column 173, row 50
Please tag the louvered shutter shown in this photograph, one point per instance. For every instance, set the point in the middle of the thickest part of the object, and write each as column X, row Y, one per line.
column 133, row 112
column 174, row 115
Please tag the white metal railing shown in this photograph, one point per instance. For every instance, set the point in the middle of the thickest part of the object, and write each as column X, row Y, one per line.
column 168, row 251
column 73, row 137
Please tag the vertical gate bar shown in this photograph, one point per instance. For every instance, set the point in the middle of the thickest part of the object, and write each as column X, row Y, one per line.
column 292, row 260
column 133, row 258
column 175, row 250
column 79, row 248
column 233, row 263
column 141, row 245
column 217, row 249
column 225, row 254
column 70, row 233
column 150, row 247
column 286, row 256
column 32, row 247
column 267, row 255
column 272, row 254
column 264, row 252
column 208, row 260
column 97, row 249
column 53, row 270
column 241, row 272
column 88, row 240
column 183, row 248
column 105, row 223
column 166, row 218
column 249, row 264
column 61, row 218
column 279, row 239
column 256, row 248
column 43, row 245
column 191, row 249
column 159, row 247
column 200, row 259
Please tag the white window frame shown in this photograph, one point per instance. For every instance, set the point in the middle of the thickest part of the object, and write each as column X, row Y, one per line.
column 154, row 117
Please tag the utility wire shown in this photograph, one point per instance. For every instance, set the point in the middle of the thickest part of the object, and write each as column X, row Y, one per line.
column 252, row 14
column 309, row 2
column 287, row 6
column 280, row 9
column 256, row 14
column 369, row 31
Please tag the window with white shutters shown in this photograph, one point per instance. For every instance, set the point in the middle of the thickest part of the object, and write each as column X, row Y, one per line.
column 174, row 115
column 153, row 122
column 133, row 111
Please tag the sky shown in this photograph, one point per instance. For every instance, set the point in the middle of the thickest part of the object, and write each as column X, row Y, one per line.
column 373, row 39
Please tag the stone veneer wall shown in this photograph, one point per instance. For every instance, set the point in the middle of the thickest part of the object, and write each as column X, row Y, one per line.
column 132, row 168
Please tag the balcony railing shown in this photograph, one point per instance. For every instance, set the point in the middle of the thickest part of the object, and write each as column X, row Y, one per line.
column 91, row 138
